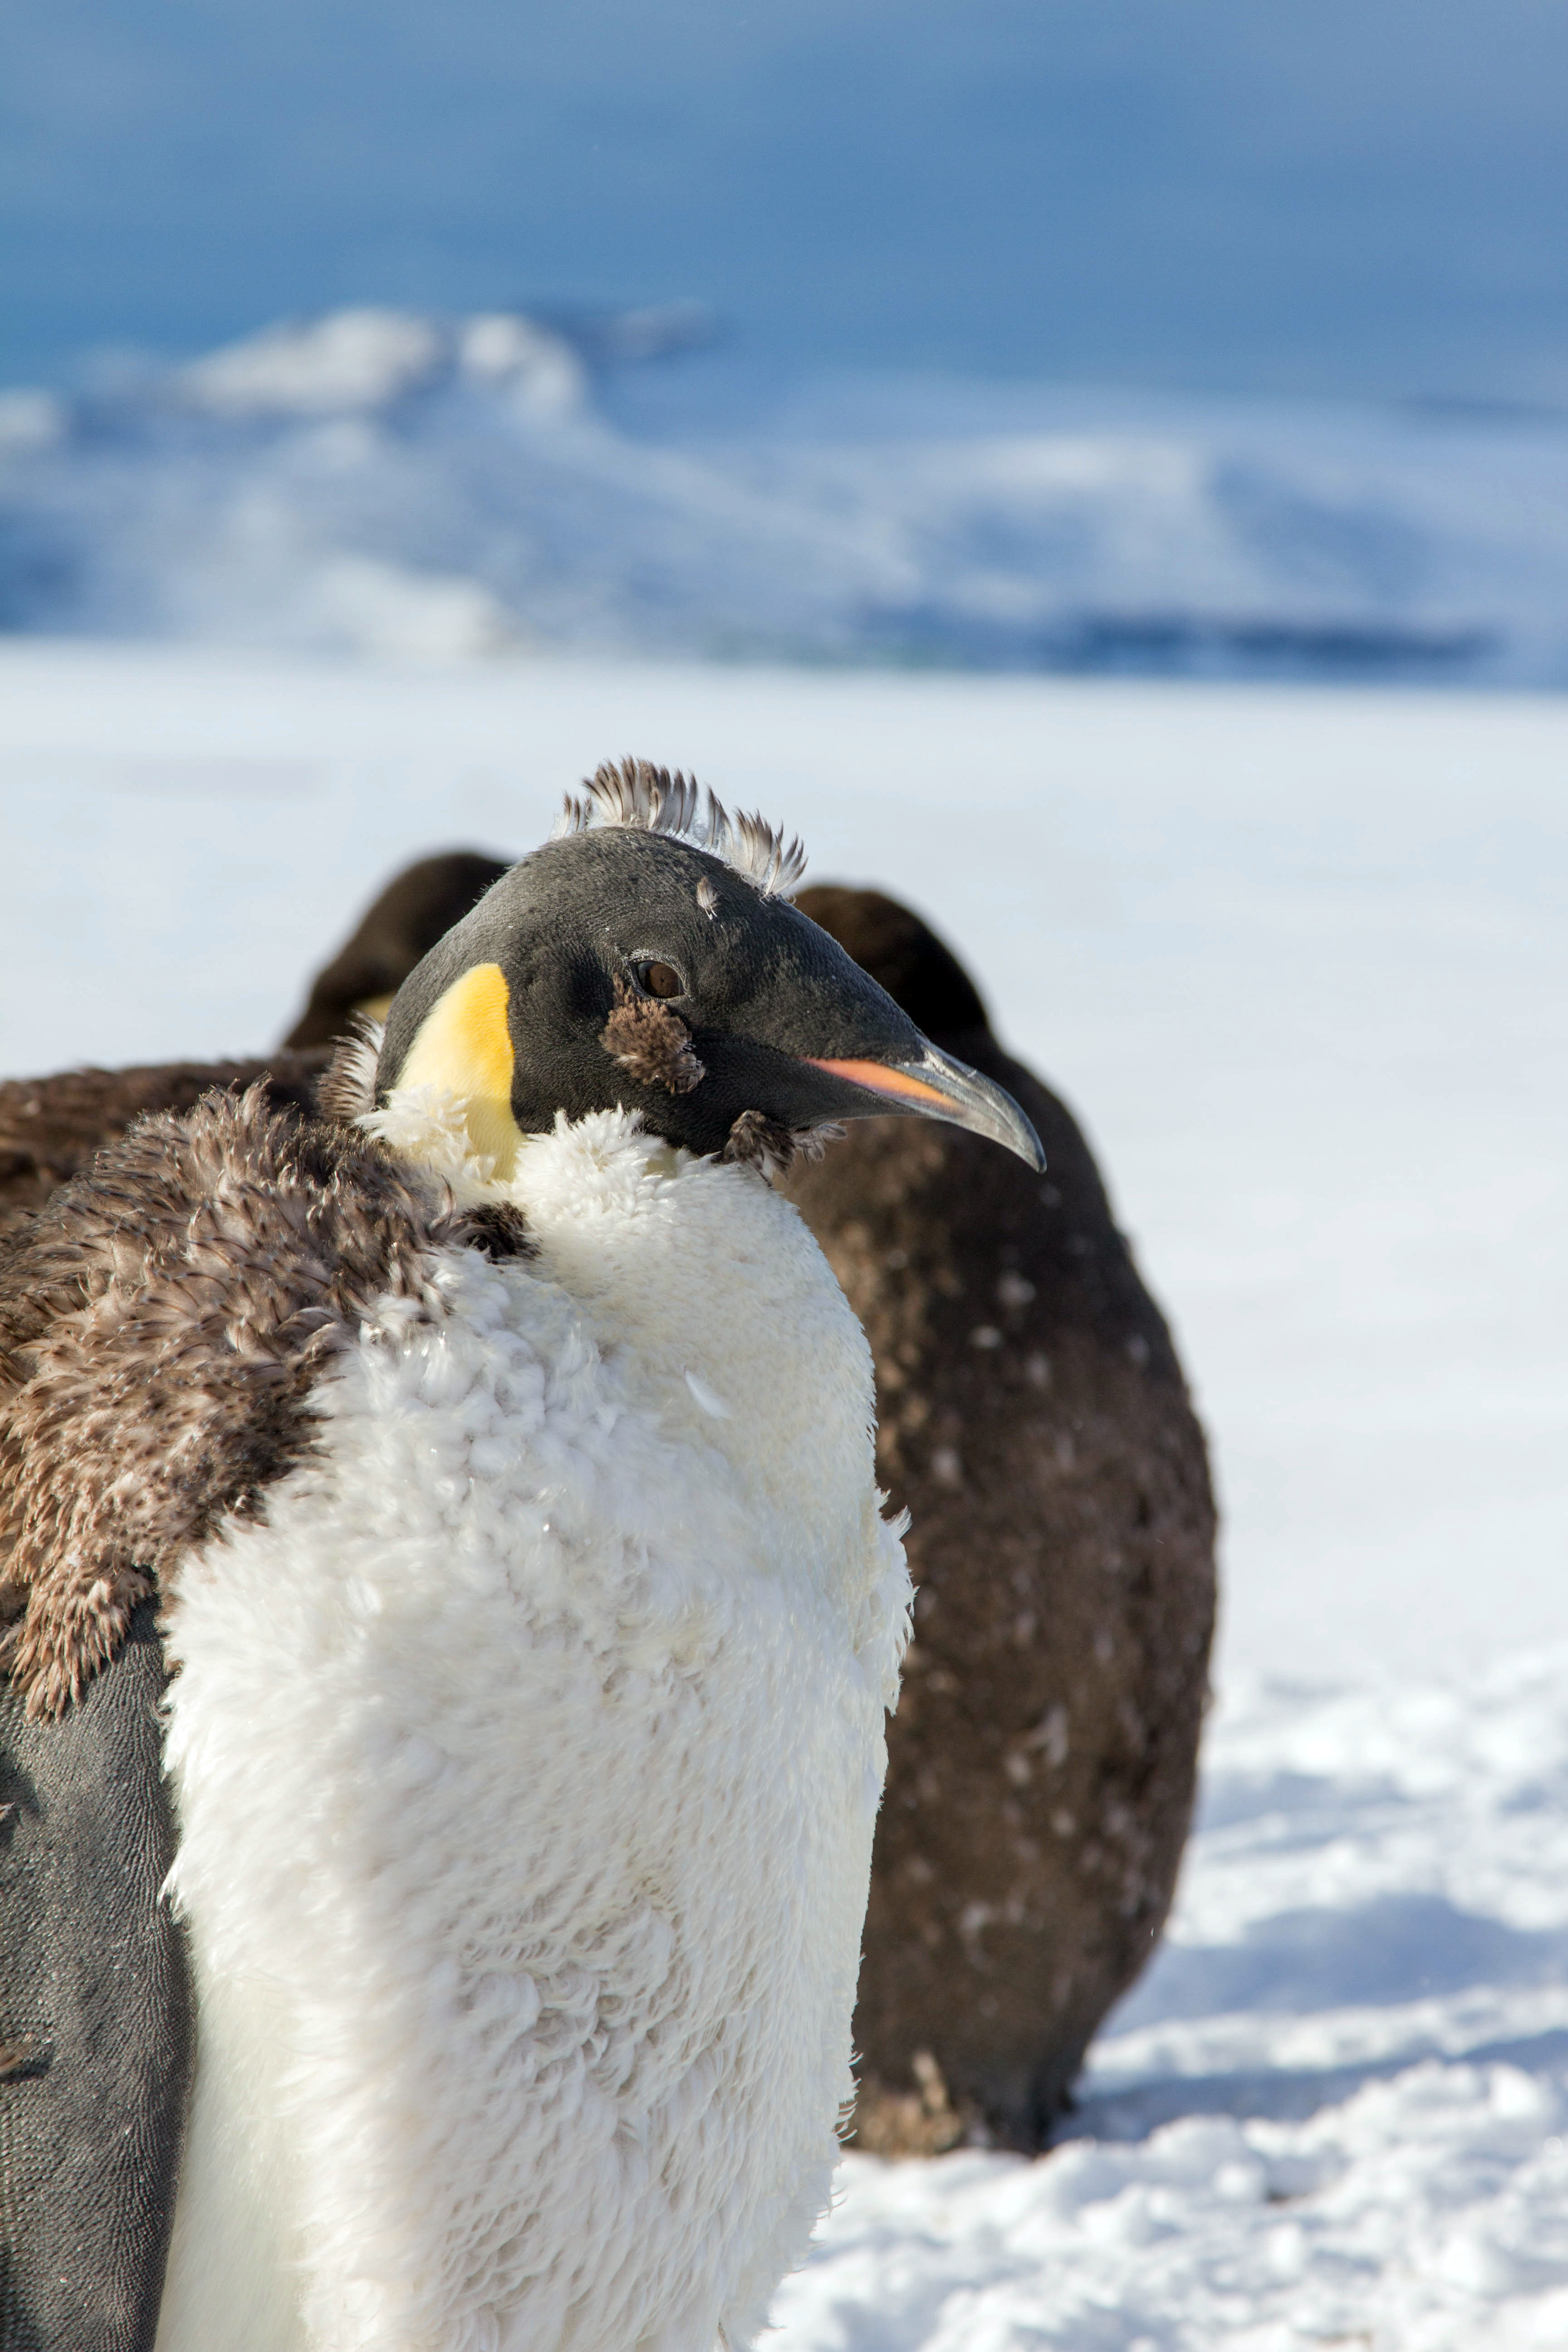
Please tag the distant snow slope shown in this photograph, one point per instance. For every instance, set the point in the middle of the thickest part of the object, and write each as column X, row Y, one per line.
column 390, row 482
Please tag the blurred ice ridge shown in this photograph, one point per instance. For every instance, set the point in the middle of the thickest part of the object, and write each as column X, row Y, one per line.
column 395, row 483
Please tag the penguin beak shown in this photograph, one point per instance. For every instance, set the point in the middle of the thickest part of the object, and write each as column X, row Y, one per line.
column 935, row 1086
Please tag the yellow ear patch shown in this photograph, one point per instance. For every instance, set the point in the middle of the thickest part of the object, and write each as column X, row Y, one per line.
column 464, row 1047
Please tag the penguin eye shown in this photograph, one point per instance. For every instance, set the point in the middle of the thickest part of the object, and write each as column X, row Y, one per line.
column 661, row 980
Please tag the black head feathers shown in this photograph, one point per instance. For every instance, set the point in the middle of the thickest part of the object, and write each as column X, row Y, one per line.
column 648, row 957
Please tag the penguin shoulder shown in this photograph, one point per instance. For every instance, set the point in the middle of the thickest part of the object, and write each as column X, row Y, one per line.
column 164, row 1325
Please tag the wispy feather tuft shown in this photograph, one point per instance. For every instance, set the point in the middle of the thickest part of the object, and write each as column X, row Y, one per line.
column 346, row 1089
column 637, row 793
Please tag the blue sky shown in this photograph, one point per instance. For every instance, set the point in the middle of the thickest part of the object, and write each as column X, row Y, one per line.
column 1314, row 194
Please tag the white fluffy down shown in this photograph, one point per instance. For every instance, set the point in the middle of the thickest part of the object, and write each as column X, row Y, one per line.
column 527, row 1762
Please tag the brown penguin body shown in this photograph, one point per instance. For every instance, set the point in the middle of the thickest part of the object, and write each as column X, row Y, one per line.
column 1034, row 1420
column 417, row 907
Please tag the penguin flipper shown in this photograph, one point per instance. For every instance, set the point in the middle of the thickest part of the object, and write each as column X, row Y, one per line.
column 95, row 2033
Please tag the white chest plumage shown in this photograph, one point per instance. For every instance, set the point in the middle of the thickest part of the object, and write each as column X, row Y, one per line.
column 527, row 1761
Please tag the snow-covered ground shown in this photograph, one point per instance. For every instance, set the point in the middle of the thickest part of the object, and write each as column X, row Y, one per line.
column 396, row 483
column 1298, row 957
column 1336, row 2110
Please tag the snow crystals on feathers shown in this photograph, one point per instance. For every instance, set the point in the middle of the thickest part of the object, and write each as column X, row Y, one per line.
column 652, row 800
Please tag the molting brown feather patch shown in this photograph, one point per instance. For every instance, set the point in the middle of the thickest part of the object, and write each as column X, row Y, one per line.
column 759, row 1142
column 161, row 1328
column 499, row 1231
column 652, row 800
column 651, row 1044
column 770, row 1147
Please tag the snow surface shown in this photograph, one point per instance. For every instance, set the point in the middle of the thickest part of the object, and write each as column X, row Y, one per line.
column 399, row 484
column 1334, row 2111
column 1298, row 958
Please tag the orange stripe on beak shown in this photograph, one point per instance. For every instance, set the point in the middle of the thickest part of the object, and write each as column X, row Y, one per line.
column 879, row 1079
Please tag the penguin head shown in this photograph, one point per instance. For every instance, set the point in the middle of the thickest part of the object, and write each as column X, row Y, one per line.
column 647, row 958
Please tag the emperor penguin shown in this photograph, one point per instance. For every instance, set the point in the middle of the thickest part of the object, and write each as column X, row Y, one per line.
column 492, row 1460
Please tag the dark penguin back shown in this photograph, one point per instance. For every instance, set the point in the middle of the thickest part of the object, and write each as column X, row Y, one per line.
column 96, row 2040
column 1034, row 1420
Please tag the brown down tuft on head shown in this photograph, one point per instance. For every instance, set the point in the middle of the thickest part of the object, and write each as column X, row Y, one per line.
column 647, row 799
column 651, row 1042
